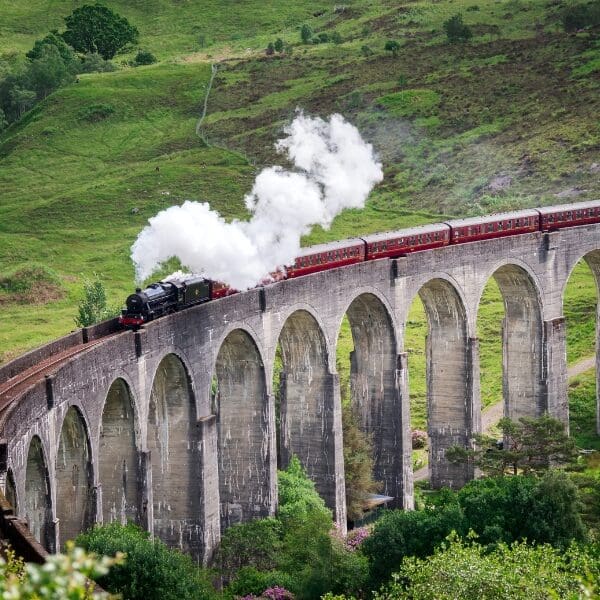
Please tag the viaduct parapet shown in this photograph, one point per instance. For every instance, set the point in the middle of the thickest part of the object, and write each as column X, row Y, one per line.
column 174, row 426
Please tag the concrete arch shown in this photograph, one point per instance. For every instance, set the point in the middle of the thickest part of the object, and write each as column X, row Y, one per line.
column 73, row 474
column 374, row 387
column 314, row 313
column 450, row 395
column 118, row 461
column 173, row 443
column 308, row 402
column 37, row 505
column 523, row 384
column 245, row 421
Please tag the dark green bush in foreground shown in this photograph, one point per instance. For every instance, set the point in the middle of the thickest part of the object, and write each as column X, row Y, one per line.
column 151, row 570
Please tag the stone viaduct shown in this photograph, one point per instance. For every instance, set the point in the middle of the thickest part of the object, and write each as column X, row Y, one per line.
column 174, row 426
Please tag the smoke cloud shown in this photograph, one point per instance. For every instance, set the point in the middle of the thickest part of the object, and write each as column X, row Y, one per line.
column 334, row 169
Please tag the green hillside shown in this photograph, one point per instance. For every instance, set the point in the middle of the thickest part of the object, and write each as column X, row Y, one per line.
column 508, row 119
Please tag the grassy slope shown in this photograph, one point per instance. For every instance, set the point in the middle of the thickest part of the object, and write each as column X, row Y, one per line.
column 520, row 101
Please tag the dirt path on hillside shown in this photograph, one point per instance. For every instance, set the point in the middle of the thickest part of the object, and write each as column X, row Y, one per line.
column 491, row 415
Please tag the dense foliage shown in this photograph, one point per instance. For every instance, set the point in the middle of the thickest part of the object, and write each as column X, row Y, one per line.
column 93, row 307
column 470, row 571
column 503, row 509
column 151, row 571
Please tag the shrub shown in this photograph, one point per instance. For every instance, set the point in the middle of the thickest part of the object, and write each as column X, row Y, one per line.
column 323, row 37
column 151, row 571
column 392, row 46
column 471, row 571
column 408, row 533
column 456, row 30
column 96, row 112
column 306, row 33
column 144, row 57
column 255, row 544
column 580, row 16
column 336, row 38
column 366, row 50
column 419, row 439
column 279, row 45
column 270, row 50
column 92, row 62
column 249, row 580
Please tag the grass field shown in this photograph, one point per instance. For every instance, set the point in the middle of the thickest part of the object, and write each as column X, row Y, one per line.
column 505, row 121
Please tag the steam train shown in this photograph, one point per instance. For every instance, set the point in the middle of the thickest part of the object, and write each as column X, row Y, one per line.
column 168, row 296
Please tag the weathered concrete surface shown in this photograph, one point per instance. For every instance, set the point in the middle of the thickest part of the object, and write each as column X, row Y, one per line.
column 206, row 459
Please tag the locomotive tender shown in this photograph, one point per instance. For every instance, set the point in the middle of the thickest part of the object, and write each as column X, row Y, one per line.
column 174, row 294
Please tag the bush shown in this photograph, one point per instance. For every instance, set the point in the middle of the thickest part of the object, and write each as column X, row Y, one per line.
column 92, row 62
column 250, row 580
column 255, row 544
column 392, row 46
column 270, row 49
column 408, row 533
column 580, row 16
column 471, row 571
column 419, row 439
column 144, row 57
column 96, row 112
column 336, row 38
column 306, row 33
column 151, row 571
column 323, row 37
column 366, row 50
column 456, row 30
column 279, row 45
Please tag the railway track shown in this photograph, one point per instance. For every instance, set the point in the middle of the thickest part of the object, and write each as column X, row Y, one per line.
column 14, row 387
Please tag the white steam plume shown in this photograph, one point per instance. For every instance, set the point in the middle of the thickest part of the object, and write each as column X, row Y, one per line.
column 334, row 169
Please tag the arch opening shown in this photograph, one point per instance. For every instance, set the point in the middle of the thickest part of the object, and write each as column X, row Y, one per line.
column 442, row 385
column 118, row 463
column 244, row 426
column 373, row 402
column 523, row 387
column 37, row 508
column 173, row 443
column 74, row 499
column 580, row 309
column 307, row 403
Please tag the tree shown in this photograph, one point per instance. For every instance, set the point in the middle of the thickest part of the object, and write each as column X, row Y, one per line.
column 456, row 30
column 530, row 445
column 392, row 46
column 306, row 33
column 98, row 29
column 49, row 71
column 358, row 464
column 52, row 39
column 279, row 45
column 92, row 308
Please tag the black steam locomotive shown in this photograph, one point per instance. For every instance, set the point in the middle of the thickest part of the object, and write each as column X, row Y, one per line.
column 163, row 298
